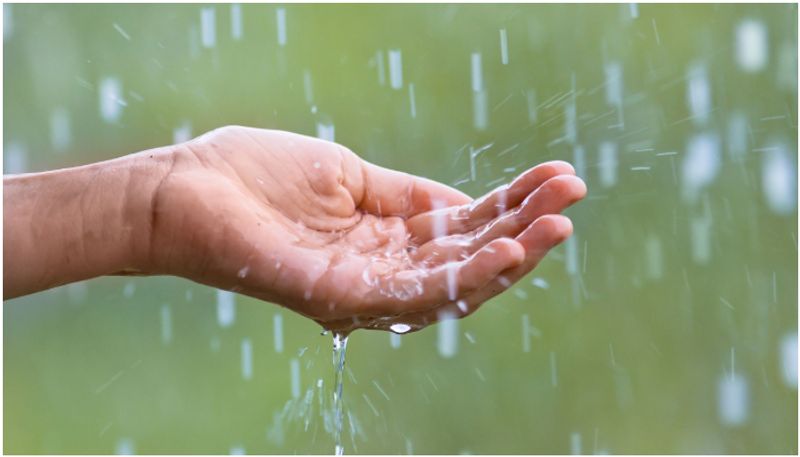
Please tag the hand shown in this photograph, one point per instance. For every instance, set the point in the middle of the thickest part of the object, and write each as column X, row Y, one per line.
column 305, row 223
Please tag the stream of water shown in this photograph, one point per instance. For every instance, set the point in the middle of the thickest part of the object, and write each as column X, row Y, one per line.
column 339, row 349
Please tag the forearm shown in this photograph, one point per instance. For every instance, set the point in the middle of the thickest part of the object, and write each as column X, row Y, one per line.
column 78, row 223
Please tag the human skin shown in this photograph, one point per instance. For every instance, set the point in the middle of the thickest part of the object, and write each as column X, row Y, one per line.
column 287, row 219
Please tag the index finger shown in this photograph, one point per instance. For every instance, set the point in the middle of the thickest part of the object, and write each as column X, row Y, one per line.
column 394, row 193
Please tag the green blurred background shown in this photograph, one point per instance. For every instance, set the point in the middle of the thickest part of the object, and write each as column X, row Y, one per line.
column 667, row 324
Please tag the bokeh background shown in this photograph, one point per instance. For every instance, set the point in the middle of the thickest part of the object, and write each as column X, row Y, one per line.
column 667, row 324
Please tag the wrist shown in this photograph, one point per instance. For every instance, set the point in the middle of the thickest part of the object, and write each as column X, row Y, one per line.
column 141, row 175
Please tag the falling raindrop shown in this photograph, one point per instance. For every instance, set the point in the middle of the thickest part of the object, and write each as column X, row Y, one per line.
column 447, row 335
column 247, row 359
column 733, row 400
column 226, row 308
column 395, row 69
column 236, row 21
column 208, row 32
column 751, row 45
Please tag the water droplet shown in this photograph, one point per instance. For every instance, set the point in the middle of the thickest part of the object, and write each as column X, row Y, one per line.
column 400, row 328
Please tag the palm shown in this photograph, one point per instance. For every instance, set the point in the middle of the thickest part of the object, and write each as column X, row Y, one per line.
column 307, row 224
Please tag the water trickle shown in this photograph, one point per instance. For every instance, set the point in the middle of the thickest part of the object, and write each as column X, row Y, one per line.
column 339, row 349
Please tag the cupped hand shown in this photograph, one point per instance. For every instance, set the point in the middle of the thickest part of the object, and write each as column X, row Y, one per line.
column 307, row 224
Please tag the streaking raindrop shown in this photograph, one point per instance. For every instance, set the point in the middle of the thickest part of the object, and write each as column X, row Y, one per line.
column 698, row 93
column 308, row 89
column 412, row 101
column 786, row 72
column 60, row 132
column 121, row 31
column 326, row 131
column 579, row 161
column 395, row 69
column 294, row 375
column 779, row 179
column 733, row 401
column 655, row 260
column 208, row 27
column 613, row 73
column 182, row 133
column 166, row 324
column 247, row 359
column 8, row 21
column 751, row 46
column 280, row 18
column 15, row 156
column 477, row 72
column 788, row 356
column 737, row 135
column 111, row 101
column 452, row 284
column 447, row 341
column 571, row 247
column 540, row 283
column 701, row 165
column 480, row 110
column 633, row 9
column 530, row 97
column 700, row 233
column 277, row 325
column 381, row 68
column 607, row 164
column 236, row 22
column 503, row 47
column 553, row 370
column 526, row 337
column 226, row 308
column 575, row 443
column 124, row 446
